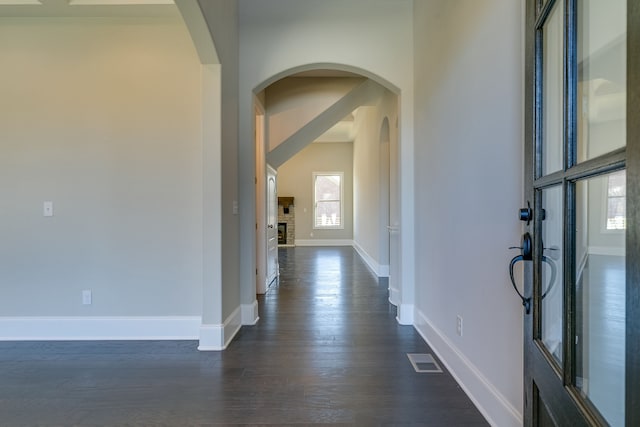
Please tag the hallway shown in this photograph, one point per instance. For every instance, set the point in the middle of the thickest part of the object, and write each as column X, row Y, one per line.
column 327, row 350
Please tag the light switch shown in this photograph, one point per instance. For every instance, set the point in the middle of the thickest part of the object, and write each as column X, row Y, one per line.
column 48, row 209
column 235, row 207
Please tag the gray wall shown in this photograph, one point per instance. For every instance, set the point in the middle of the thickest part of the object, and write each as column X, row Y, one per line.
column 468, row 162
column 102, row 117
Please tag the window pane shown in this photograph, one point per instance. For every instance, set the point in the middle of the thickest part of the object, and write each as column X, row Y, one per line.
column 600, row 301
column 552, row 86
column 328, row 187
column 602, row 97
column 328, row 214
column 327, row 200
column 552, row 267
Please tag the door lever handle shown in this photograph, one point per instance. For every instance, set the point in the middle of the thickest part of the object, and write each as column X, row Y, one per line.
column 527, row 255
column 526, row 301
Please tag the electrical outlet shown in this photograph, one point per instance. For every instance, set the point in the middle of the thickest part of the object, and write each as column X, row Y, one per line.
column 459, row 325
column 86, row 297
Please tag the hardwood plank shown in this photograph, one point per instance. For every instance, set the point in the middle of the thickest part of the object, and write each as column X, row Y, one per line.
column 327, row 351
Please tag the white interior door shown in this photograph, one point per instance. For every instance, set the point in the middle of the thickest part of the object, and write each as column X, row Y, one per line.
column 272, row 226
column 261, row 204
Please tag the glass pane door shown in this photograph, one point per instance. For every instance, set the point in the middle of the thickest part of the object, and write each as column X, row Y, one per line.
column 582, row 154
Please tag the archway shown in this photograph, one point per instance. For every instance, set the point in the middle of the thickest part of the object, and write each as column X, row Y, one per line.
column 370, row 240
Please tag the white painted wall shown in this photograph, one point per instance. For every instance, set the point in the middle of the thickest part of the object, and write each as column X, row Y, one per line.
column 373, row 36
column 371, row 176
column 468, row 163
column 102, row 117
column 295, row 179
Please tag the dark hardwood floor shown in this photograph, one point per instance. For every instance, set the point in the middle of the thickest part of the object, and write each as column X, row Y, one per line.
column 327, row 350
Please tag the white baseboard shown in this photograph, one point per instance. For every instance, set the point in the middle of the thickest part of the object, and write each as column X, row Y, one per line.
column 250, row 313
column 405, row 314
column 371, row 263
column 394, row 296
column 218, row 337
column 99, row 328
column 324, row 242
column 211, row 338
column 384, row 270
column 490, row 402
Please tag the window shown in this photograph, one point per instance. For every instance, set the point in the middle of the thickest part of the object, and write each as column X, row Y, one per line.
column 327, row 200
column 617, row 201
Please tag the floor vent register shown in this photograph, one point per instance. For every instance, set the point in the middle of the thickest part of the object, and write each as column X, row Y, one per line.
column 424, row 363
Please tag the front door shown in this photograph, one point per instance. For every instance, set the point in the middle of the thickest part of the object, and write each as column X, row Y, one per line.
column 582, row 182
column 272, row 226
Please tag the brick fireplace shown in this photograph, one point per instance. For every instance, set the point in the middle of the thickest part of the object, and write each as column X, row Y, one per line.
column 286, row 222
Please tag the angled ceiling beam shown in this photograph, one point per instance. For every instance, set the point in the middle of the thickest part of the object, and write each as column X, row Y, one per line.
column 199, row 30
column 363, row 94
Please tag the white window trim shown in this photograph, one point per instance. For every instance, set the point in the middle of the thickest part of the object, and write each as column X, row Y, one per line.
column 315, row 203
column 605, row 210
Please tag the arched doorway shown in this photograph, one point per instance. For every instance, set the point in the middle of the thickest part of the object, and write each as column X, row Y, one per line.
column 308, row 101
